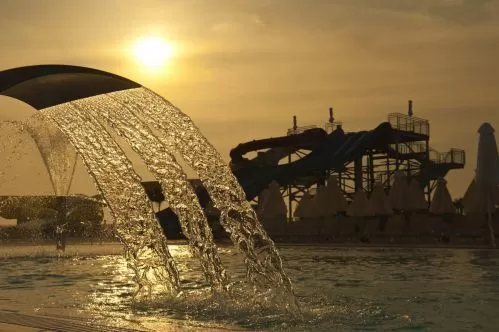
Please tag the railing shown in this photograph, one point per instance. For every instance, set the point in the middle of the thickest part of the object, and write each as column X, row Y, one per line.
column 409, row 148
column 453, row 156
column 299, row 130
column 410, row 124
column 383, row 178
column 435, row 156
column 331, row 126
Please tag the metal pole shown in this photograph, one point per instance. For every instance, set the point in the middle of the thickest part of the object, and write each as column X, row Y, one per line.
column 290, row 198
column 489, row 221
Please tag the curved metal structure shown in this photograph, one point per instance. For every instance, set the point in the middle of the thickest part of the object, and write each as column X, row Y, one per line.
column 43, row 86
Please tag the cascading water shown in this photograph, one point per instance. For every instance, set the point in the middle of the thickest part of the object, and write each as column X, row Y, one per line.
column 180, row 194
column 144, row 243
column 155, row 129
column 264, row 265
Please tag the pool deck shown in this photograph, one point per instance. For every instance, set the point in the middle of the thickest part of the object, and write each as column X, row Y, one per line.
column 18, row 328
column 15, row 321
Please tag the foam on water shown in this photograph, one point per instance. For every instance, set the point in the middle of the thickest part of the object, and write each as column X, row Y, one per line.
column 145, row 245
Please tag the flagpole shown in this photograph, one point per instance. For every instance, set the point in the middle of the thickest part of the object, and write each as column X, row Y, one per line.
column 489, row 221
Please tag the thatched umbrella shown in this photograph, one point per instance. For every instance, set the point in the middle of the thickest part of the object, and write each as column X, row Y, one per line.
column 336, row 200
column 473, row 202
column 417, row 207
column 399, row 193
column 308, row 217
column 322, row 202
column 416, row 198
column 302, row 208
column 360, row 206
column 400, row 201
column 487, row 172
column 381, row 205
column 273, row 210
column 273, row 205
column 361, row 210
column 442, row 204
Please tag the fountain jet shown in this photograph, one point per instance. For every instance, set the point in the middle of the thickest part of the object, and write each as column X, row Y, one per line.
column 63, row 94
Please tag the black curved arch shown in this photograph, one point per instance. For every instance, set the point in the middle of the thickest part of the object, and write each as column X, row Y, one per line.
column 42, row 86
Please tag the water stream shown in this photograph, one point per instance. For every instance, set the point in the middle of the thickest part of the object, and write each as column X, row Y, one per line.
column 264, row 265
column 155, row 129
column 145, row 245
column 179, row 193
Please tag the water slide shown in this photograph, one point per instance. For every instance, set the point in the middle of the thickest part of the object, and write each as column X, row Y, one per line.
column 327, row 151
column 332, row 152
column 278, row 147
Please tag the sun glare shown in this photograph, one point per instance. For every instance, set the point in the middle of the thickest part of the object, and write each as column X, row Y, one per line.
column 152, row 52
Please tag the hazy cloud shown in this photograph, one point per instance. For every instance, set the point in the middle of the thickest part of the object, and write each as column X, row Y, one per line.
column 253, row 64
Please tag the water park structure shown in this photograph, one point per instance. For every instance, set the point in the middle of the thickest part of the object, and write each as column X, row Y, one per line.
column 307, row 156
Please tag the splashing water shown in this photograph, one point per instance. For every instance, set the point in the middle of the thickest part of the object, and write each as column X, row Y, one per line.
column 144, row 243
column 178, row 191
column 264, row 265
column 155, row 129
column 58, row 155
column 12, row 140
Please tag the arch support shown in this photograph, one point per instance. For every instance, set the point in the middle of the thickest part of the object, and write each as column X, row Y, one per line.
column 43, row 86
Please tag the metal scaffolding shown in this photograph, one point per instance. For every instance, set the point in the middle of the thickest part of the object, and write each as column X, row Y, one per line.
column 408, row 151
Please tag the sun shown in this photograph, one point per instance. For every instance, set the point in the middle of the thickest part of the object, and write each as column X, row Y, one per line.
column 152, row 52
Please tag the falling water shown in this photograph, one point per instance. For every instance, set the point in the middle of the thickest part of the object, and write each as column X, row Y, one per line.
column 178, row 191
column 11, row 142
column 144, row 243
column 264, row 265
column 58, row 155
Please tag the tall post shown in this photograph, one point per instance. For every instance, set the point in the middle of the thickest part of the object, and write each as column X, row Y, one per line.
column 489, row 220
column 428, row 186
column 60, row 232
column 290, row 190
column 388, row 185
column 357, row 166
column 290, row 197
column 371, row 171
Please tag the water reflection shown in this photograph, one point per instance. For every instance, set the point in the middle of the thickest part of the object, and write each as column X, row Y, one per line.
column 338, row 288
column 487, row 263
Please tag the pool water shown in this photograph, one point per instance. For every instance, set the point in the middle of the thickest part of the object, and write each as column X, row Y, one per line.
column 340, row 289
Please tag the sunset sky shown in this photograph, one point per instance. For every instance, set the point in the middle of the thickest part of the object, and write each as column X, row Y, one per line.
column 242, row 69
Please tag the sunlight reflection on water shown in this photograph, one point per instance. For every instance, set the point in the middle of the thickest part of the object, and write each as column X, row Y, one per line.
column 339, row 289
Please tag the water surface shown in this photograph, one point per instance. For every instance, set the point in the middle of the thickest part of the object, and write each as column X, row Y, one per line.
column 341, row 289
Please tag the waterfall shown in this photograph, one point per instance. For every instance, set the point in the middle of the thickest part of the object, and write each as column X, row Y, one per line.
column 162, row 164
column 144, row 243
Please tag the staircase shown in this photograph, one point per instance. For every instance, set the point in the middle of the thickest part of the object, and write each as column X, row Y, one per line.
column 440, row 164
